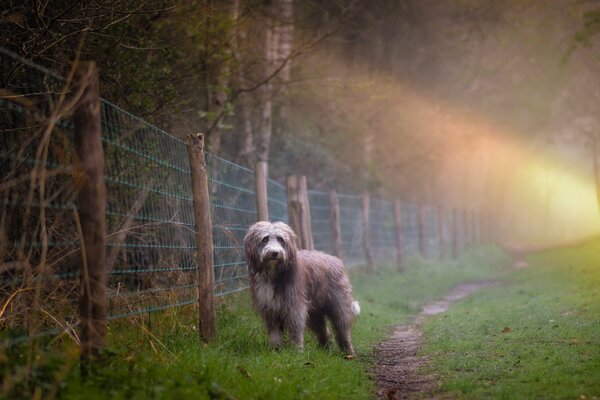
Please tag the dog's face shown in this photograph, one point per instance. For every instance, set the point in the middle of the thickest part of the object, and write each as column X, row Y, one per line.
column 269, row 245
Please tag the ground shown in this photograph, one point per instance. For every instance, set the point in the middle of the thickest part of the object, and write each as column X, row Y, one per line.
column 534, row 335
column 398, row 364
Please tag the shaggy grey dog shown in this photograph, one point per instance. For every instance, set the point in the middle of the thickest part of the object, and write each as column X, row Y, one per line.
column 292, row 288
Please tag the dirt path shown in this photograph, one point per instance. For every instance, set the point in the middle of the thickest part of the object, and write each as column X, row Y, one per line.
column 397, row 361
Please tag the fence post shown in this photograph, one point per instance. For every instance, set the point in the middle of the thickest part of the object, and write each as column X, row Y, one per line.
column 474, row 223
column 204, row 242
column 399, row 235
column 454, row 233
column 366, row 214
column 421, row 229
column 92, row 211
column 92, row 206
column 260, row 181
column 307, row 220
column 440, row 231
column 334, row 206
column 299, row 210
column 466, row 228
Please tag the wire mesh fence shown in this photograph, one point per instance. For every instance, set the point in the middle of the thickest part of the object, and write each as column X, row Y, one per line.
column 383, row 231
column 277, row 201
column 320, row 219
column 351, row 226
column 410, row 229
column 233, row 201
column 39, row 241
column 430, row 234
column 151, row 247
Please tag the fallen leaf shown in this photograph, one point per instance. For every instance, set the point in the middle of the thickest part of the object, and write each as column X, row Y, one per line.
column 244, row 371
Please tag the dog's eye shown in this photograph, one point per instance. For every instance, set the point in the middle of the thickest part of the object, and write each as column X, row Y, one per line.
column 280, row 240
column 265, row 239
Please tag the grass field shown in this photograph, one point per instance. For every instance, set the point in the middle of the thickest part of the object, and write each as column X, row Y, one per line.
column 162, row 358
column 537, row 336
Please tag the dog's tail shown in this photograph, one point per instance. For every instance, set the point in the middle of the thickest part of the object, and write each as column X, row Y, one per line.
column 355, row 308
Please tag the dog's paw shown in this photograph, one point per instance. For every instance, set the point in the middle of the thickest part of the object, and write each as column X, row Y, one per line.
column 349, row 357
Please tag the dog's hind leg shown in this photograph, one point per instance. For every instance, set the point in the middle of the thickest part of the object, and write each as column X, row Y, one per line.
column 341, row 326
column 317, row 324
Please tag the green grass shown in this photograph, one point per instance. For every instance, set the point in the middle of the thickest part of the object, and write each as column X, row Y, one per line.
column 162, row 358
column 537, row 336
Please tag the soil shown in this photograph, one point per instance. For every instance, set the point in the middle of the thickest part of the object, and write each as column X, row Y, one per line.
column 397, row 370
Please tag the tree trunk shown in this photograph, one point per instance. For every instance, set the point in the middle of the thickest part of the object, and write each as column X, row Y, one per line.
column 278, row 39
column 217, row 76
column 265, row 123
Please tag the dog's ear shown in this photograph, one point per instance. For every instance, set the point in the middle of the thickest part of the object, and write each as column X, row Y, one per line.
column 251, row 244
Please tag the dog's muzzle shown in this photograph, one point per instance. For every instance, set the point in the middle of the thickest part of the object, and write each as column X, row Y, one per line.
column 272, row 254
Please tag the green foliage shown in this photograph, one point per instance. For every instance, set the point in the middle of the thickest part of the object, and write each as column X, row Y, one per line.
column 535, row 336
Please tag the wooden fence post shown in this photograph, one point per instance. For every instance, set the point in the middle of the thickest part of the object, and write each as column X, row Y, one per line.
column 299, row 210
column 454, row 233
column 421, row 228
column 399, row 235
column 334, row 206
column 204, row 241
column 307, row 218
column 474, row 220
column 93, row 303
column 260, row 180
column 366, row 214
column 440, row 231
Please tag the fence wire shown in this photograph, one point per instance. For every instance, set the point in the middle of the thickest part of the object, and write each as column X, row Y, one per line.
column 233, row 200
column 410, row 229
column 39, row 243
column 150, row 246
column 351, row 227
column 383, row 231
column 277, row 201
column 320, row 220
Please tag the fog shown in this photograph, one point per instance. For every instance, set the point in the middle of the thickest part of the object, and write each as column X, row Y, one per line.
column 486, row 105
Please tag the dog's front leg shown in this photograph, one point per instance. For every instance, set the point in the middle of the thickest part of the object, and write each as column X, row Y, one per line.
column 275, row 330
column 296, row 325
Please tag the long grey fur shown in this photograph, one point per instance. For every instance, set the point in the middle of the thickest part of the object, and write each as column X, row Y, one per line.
column 294, row 288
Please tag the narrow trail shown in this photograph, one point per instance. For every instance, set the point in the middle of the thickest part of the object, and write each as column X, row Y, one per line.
column 396, row 373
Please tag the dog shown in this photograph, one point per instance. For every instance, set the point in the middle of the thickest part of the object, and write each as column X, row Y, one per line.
column 292, row 288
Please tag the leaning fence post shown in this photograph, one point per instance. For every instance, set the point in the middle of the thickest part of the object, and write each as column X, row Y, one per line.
column 366, row 214
column 204, row 242
column 260, row 180
column 421, row 227
column 454, row 233
column 399, row 235
column 91, row 206
column 298, row 210
column 334, row 206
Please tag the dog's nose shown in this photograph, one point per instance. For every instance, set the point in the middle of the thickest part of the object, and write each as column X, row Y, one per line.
column 274, row 254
